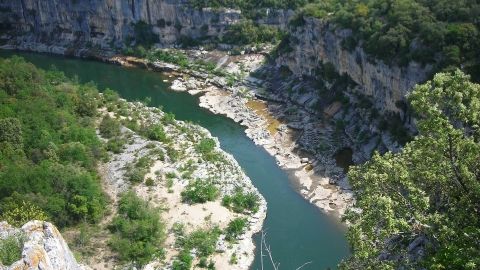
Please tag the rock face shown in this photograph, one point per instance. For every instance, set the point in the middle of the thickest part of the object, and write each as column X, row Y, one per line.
column 317, row 42
column 44, row 248
column 104, row 23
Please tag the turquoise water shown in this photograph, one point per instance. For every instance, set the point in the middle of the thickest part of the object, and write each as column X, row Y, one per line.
column 296, row 231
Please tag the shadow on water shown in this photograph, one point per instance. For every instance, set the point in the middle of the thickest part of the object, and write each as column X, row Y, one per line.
column 297, row 231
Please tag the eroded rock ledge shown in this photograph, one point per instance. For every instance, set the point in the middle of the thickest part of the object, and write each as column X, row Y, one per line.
column 44, row 248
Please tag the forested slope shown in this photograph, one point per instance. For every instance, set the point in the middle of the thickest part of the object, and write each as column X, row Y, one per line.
column 421, row 207
column 48, row 147
column 440, row 31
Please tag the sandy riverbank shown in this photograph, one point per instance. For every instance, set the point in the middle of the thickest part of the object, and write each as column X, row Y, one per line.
column 264, row 128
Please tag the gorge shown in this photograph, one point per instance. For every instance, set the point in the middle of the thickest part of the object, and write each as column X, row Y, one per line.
column 319, row 85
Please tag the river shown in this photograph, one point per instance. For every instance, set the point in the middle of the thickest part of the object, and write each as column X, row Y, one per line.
column 297, row 231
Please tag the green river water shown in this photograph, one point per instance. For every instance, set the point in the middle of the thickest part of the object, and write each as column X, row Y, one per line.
column 297, row 231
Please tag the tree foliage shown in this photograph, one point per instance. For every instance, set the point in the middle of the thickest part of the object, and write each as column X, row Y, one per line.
column 443, row 32
column 48, row 146
column 421, row 207
column 138, row 230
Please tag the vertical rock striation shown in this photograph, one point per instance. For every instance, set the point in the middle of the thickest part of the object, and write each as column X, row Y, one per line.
column 74, row 24
column 317, row 42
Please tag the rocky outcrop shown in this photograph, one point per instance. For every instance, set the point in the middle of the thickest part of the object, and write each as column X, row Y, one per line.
column 317, row 42
column 57, row 25
column 44, row 248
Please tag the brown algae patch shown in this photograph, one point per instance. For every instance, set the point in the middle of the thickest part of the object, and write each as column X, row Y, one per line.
column 261, row 109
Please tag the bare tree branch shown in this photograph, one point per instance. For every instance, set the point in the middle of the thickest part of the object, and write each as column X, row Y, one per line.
column 303, row 265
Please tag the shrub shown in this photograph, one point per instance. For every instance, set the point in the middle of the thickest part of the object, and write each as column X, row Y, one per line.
column 10, row 250
column 109, row 127
column 235, row 228
column 138, row 230
column 203, row 241
column 240, row 202
column 144, row 34
column 149, row 182
column 136, row 175
column 199, row 191
column 17, row 214
column 168, row 118
column 183, row 262
column 116, row 144
column 157, row 133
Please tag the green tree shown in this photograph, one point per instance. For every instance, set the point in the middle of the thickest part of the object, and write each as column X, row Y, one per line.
column 429, row 193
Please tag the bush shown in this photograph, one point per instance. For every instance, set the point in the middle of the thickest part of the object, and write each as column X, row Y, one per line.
column 136, row 175
column 235, row 228
column 240, row 202
column 109, row 127
column 138, row 230
column 17, row 214
column 247, row 32
column 116, row 144
column 157, row 133
column 199, row 191
column 204, row 241
column 144, row 35
column 149, row 182
column 183, row 261
column 10, row 250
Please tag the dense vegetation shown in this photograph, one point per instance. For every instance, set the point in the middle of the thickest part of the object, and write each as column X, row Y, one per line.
column 247, row 32
column 428, row 195
column 48, row 147
column 241, row 201
column 427, row 31
column 138, row 230
column 11, row 249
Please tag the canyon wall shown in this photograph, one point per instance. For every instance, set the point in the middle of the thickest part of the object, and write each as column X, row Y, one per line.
column 317, row 42
column 60, row 24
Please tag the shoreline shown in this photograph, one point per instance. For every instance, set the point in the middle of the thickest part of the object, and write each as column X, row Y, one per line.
column 192, row 216
column 333, row 198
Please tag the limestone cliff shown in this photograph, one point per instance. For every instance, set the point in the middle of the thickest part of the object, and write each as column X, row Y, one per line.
column 56, row 25
column 44, row 248
column 317, row 42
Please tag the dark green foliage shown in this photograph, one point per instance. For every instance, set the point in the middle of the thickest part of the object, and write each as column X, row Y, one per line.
column 109, row 127
column 205, row 146
column 199, row 191
column 116, row 144
column 247, row 32
column 441, row 31
column 138, row 230
column 203, row 241
column 176, row 58
column 183, row 261
column 235, row 228
column 144, row 35
column 156, row 133
column 48, row 147
column 168, row 119
column 240, row 202
column 429, row 191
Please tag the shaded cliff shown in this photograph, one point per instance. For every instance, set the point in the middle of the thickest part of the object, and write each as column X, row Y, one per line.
column 56, row 25
column 316, row 42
